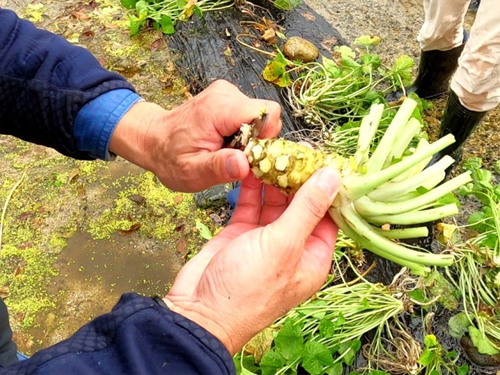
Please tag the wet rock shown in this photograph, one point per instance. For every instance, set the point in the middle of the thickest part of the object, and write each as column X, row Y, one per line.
column 213, row 197
column 297, row 48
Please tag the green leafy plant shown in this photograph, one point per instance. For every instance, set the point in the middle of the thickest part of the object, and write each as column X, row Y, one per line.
column 287, row 4
column 323, row 335
column 341, row 88
column 435, row 359
column 476, row 273
column 164, row 14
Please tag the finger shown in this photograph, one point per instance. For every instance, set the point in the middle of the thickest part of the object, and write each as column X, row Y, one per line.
column 275, row 203
column 222, row 166
column 237, row 112
column 305, row 212
column 249, row 203
column 234, row 108
column 326, row 231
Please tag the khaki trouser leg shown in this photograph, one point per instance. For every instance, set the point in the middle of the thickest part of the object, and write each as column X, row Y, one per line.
column 443, row 26
column 477, row 79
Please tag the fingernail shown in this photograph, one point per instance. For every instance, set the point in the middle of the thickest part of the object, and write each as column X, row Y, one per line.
column 232, row 167
column 327, row 181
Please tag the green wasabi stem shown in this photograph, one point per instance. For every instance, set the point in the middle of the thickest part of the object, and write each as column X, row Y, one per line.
column 415, row 217
column 405, row 197
column 384, row 148
column 390, row 191
column 415, row 268
column 399, row 234
column 367, row 132
column 417, row 168
column 352, row 218
column 357, row 185
column 411, row 129
column 368, row 207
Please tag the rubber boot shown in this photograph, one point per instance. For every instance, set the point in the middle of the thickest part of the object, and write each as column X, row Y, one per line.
column 434, row 73
column 460, row 122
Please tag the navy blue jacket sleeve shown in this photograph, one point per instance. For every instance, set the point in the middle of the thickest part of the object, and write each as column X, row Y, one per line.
column 138, row 337
column 44, row 82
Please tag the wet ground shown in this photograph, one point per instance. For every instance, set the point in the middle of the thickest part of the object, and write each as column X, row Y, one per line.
column 74, row 224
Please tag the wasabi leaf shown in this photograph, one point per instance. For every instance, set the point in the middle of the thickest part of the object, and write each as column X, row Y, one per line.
column 204, row 231
column 458, row 325
column 315, row 356
column 289, row 341
column 367, row 41
column 271, row 362
column 481, row 342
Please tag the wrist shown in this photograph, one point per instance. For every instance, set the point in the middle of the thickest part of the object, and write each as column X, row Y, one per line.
column 204, row 317
column 130, row 137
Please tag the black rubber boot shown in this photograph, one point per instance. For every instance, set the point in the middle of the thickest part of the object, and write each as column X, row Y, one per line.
column 460, row 122
column 434, row 73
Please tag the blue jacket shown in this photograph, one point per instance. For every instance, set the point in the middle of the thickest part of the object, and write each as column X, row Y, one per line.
column 44, row 83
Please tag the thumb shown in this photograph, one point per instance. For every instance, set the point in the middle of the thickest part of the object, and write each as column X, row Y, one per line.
column 306, row 210
column 225, row 165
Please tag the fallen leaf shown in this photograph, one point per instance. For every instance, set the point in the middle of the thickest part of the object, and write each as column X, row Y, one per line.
column 181, row 245
column 178, row 199
column 73, row 175
column 270, row 36
column 308, row 16
column 4, row 291
column 204, row 230
column 137, row 199
column 133, row 228
column 328, row 43
column 79, row 15
column 87, row 34
column 157, row 45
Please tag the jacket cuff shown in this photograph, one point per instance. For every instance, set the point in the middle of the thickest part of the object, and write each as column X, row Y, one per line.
column 96, row 121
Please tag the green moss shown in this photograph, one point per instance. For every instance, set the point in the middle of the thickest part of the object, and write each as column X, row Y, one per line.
column 57, row 242
column 26, row 272
column 159, row 214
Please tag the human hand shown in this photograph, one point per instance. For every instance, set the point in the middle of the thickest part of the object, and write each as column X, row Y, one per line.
column 274, row 254
column 183, row 146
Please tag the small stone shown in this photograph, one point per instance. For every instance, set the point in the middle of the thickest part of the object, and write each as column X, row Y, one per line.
column 297, row 48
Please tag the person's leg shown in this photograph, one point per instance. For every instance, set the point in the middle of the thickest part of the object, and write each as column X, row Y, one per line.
column 441, row 38
column 8, row 349
column 443, row 26
column 477, row 80
column 475, row 87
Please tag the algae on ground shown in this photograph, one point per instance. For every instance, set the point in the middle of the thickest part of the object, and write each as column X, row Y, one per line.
column 61, row 197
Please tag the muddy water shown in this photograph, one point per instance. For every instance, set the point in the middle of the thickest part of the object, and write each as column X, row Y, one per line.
column 93, row 275
column 117, row 265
